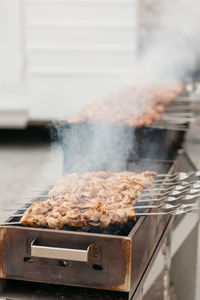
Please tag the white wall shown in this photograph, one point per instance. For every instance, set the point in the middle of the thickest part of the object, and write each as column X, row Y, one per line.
column 66, row 53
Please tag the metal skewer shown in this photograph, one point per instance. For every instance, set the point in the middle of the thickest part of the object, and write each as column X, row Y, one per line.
column 177, row 198
column 168, row 186
column 9, row 223
column 180, row 196
column 163, row 206
column 166, row 204
column 177, row 211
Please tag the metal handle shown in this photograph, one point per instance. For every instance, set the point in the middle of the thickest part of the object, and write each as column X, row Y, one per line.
column 61, row 253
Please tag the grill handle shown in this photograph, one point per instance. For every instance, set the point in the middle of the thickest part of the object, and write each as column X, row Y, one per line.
column 62, row 253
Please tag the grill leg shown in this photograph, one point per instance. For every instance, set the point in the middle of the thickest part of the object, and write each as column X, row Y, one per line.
column 167, row 263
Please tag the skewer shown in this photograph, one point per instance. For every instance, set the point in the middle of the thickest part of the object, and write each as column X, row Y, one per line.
column 189, row 99
column 195, row 184
column 16, row 209
column 174, row 190
column 180, row 101
column 182, row 175
column 165, row 205
column 177, row 113
column 193, row 193
column 169, row 188
column 170, row 177
column 156, row 213
column 176, row 211
column 169, row 184
column 177, row 121
column 180, row 127
column 195, row 210
column 170, row 198
column 178, row 189
column 36, row 196
column 16, row 216
column 176, row 109
column 171, row 120
column 186, row 113
column 178, row 116
column 175, row 196
column 172, row 187
column 9, row 223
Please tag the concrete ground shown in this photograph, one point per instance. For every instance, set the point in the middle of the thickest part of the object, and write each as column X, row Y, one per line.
column 28, row 162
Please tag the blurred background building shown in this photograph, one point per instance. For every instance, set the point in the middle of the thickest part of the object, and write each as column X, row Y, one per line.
column 54, row 53
column 58, row 55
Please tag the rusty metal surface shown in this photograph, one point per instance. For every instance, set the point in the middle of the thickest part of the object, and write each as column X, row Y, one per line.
column 108, row 270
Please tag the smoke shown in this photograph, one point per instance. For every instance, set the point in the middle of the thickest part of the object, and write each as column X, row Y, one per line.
column 174, row 47
column 172, row 53
column 90, row 147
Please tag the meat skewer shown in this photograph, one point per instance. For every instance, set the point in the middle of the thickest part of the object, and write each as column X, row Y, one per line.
column 134, row 106
column 94, row 198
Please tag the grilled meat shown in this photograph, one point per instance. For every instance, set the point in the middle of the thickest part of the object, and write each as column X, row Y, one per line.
column 94, row 198
column 135, row 106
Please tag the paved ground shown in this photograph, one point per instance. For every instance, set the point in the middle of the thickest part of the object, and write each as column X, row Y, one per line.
column 28, row 159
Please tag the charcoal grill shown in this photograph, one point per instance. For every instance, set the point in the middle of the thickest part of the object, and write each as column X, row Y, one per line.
column 162, row 138
column 85, row 259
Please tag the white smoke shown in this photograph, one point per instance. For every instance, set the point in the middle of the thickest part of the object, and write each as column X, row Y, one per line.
column 174, row 46
column 172, row 52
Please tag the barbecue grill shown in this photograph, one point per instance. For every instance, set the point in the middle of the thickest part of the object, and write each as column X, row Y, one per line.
column 162, row 138
column 84, row 259
column 98, row 260
column 87, row 259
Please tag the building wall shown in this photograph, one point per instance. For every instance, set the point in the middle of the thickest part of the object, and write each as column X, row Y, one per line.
column 69, row 53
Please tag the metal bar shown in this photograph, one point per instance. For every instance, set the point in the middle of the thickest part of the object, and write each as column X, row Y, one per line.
column 191, row 194
column 148, row 197
column 179, row 175
column 165, row 204
column 180, row 127
column 189, row 99
column 195, row 210
column 9, row 223
column 176, row 211
column 169, row 184
column 179, row 115
column 61, row 253
column 168, row 127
